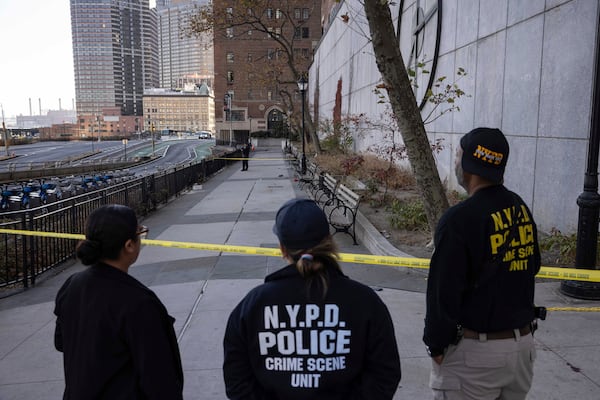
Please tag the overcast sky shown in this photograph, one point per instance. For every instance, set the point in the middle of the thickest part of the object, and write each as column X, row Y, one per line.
column 36, row 59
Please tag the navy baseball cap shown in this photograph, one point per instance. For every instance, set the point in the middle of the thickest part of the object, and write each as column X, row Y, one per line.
column 485, row 153
column 300, row 224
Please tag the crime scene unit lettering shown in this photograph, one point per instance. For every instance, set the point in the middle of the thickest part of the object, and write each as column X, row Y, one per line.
column 304, row 340
column 521, row 247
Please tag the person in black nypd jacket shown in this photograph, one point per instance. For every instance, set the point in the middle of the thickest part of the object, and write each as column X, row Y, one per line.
column 116, row 336
column 480, row 291
column 310, row 332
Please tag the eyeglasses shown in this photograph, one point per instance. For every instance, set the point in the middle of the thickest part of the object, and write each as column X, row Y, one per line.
column 142, row 231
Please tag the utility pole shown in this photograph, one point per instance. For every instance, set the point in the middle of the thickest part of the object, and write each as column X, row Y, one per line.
column 5, row 132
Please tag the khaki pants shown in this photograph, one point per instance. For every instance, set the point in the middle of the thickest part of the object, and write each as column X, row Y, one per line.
column 480, row 370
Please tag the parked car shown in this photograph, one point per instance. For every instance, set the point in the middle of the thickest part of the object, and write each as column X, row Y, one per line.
column 204, row 135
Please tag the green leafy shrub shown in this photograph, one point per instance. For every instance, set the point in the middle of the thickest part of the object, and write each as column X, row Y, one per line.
column 563, row 248
column 408, row 215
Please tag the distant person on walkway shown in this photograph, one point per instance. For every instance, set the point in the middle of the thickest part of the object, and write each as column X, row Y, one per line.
column 480, row 312
column 116, row 336
column 246, row 154
column 310, row 332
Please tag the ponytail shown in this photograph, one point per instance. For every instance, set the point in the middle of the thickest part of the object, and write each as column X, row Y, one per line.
column 313, row 264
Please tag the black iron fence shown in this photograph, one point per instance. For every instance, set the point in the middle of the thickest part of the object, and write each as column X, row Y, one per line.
column 25, row 257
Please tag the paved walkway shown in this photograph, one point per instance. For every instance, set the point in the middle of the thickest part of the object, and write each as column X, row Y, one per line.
column 199, row 288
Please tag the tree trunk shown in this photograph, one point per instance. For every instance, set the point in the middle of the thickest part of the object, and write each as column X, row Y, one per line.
column 311, row 132
column 404, row 105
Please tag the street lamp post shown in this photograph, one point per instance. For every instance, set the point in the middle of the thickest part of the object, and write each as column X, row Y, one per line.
column 288, row 113
column 589, row 200
column 250, row 129
column 152, row 132
column 302, row 85
column 92, row 127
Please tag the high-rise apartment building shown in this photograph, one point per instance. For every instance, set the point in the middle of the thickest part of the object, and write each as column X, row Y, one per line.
column 183, row 58
column 115, row 51
column 259, row 55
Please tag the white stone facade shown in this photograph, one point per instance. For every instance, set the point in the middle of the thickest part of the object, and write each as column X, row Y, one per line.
column 530, row 66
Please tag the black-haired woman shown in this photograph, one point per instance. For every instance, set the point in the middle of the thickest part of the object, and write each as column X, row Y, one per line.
column 309, row 332
column 116, row 336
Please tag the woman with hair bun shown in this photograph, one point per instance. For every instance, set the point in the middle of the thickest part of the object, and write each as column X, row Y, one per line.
column 116, row 336
column 310, row 332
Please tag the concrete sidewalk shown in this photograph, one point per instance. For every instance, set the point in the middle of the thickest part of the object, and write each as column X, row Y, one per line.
column 199, row 288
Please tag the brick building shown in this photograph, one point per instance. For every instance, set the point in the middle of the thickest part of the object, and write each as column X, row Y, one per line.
column 259, row 56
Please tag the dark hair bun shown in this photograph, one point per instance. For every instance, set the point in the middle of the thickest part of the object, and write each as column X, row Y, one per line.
column 89, row 251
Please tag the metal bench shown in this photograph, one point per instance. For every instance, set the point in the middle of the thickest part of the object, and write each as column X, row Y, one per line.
column 342, row 210
column 325, row 193
column 309, row 180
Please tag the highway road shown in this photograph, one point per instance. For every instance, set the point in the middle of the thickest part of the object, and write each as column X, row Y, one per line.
column 49, row 154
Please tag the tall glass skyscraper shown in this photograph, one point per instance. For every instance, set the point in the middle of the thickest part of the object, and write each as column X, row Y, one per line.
column 183, row 58
column 115, row 51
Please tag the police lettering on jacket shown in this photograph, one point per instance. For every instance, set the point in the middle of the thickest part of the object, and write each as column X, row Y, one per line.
column 521, row 246
column 305, row 339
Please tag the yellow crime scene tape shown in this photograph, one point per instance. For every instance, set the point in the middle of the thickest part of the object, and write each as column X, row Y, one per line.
column 421, row 263
column 253, row 158
column 408, row 262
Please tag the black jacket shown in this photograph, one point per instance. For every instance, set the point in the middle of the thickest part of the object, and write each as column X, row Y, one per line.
column 117, row 338
column 476, row 280
column 282, row 343
column 246, row 150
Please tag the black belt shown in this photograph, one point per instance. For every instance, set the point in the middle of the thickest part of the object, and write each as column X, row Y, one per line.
column 507, row 334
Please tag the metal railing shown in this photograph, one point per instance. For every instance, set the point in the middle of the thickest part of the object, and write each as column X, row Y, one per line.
column 23, row 257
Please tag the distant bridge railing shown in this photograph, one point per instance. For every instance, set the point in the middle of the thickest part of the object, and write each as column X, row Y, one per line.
column 23, row 258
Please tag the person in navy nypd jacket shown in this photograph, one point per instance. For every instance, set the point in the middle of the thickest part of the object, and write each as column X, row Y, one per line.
column 310, row 332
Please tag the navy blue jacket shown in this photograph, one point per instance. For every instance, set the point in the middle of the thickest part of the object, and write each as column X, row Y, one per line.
column 283, row 341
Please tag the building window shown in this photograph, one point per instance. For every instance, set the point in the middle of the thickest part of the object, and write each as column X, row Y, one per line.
column 229, row 32
column 249, row 57
column 249, row 32
column 269, row 95
column 269, row 31
column 249, row 94
column 305, row 53
column 277, row 32
column 238, row 115
column 229, row 11
column 269, row 13
column 229, row 77
column 297, row 53
column 297, row 13
column 230, row 58
column 278, row 14
column 297, row 32
column 305, row 13
column 270, row 54
column 305, row 33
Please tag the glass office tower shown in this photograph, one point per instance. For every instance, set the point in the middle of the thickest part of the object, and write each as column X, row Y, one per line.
column 115, row 51
column 184, row 58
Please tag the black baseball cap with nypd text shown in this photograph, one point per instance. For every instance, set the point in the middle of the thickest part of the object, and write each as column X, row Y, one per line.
column 485, row 153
